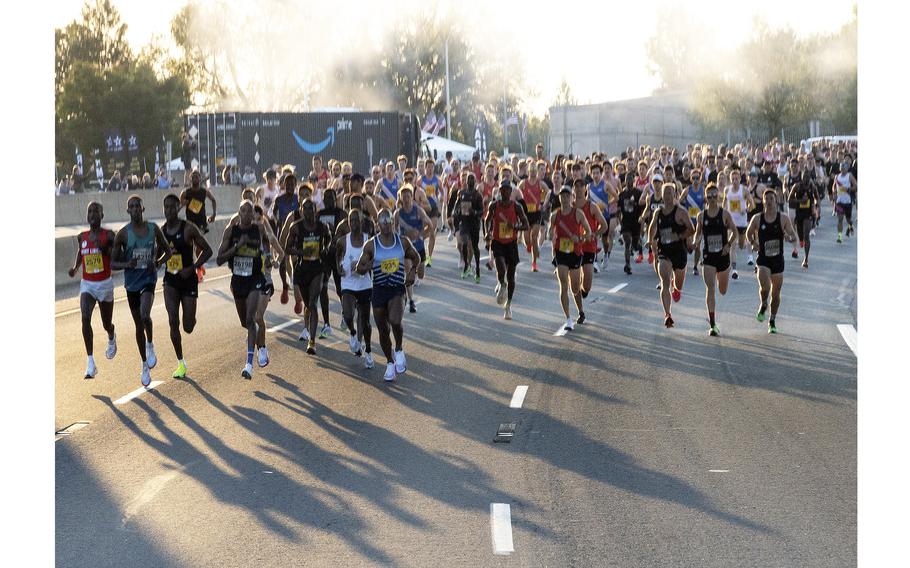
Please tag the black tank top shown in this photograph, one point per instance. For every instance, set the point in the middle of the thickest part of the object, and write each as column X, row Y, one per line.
column 715, row 233
column 667, row 225
column 183, row 251
column 770, row 238
column 311, row 243
column 247, row 263
column 195, row 206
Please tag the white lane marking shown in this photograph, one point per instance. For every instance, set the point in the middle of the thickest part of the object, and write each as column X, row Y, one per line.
column 718, row 471
column 137, row 392
column 519, row 397
column 616, row 289
column 284, row 325
column 848, row 332
column 123, row 299
column 501, row 528
column 147, row 494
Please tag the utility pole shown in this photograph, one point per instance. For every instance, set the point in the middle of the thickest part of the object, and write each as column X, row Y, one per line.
column 448, row 114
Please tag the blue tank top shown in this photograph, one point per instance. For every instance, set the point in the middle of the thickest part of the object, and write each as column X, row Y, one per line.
column 143, row 250
column 599, row 195
column 695, row 201
column 390, row 188
column 409, row 221
column 388, row 264
column 284, row 206
column 431, row 187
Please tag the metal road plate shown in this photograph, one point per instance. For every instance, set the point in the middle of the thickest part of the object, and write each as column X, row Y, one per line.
column 71, row 428
column 505, row 433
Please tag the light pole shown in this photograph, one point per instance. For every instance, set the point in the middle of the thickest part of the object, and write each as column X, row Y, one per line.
column 448, row 115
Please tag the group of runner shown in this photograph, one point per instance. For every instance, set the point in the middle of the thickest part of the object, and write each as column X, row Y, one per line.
column 374, row 237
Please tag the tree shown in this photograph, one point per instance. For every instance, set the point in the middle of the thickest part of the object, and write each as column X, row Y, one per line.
column 99, row 39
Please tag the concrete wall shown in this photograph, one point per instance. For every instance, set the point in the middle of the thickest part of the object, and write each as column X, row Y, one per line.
column 70, row 209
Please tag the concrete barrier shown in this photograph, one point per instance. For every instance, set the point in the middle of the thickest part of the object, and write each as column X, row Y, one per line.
column 70, row 208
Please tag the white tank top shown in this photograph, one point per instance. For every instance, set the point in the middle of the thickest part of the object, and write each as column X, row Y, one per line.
column 843, row 188
column 736, row 205
column 268, row 199
column 355, row 282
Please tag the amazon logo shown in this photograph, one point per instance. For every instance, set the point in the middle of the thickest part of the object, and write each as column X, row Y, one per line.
column 316, row 147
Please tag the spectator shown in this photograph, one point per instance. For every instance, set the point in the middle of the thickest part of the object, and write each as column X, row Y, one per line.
column 162, row 182
column 249, row 178
column 78, row 180
column 132, row 182
column 186, row 155
column 116, row 182
column 147, row 182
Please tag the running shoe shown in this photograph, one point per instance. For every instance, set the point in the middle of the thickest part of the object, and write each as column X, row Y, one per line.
column 734, row 275
column 389, row 372
column 464, row 273
column 150, row 356
column 284, row 295
column 676, row 294
column 263, row 356
column 429, row 261
column 668, row 321
column 650, row 257
column 812, row 232
column 298, row 307
column 355, row 345
column 714, row 332
column 200, row 273
column 839, row 238
column 91, row 370
column 627, row 269
column 772, row 328
column 476, row 278
column 326, row 331
column 489, row 265
column 569, row 325
column 304, row 335
column 451, row 236
column 311, row 347
column 794, row 254
column 146, row 377
column 534, row 266
column 180, row 371
column 507, row 312
column 695, row 270
column 401, row 363
column 760, row 316
column 806, row 263
column 368, row 361
column 603, row 264
column 751, row 260
column 501, row 294
column 411, row 307
column 802, row 244
column 639, row 258
column 247, row 372
column 111, row 347
column 657, row 287
column 581, row 318
column 595, row 267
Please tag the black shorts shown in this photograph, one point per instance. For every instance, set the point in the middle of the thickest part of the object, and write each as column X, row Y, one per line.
column 134, row 299
column 741, row 231
column 268, row 289
column 587, row 258
column 507, row 251
column 845, row 209
column 434, row 212
column 243, row 286
column 569, row 259
column 677, row 256
column 631, row 227
column 305, row 273
column 382, row 296
column 720, row 262
column 774, row 264
column 534, row 218
column 360, row 296
column 184, row 286
column 422, row 252
column 201, row 222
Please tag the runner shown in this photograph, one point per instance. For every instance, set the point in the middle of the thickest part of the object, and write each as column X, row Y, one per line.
column 266, row 194
column 181, row 287
column 467, row 210
column 504, row 219
column 844, row 187
column 693, row 199
column 269, row 261
column 717, row 228
column 766, row 233
column 432, row 187
column 669, row 232
column 629, row 213
column 568, row 227
column 93, row 252
column 385, row 256
column 602, row 195
column 805, row 199
column 193, row 199
column 533, row 190
column 414, row 223
column 320, row 174
column 598, row 225
column 356, row 289
column 286, row 203
column 136, row 251
column 308, row 242
column 738, row 201
column 387, row 189
column 330, row 216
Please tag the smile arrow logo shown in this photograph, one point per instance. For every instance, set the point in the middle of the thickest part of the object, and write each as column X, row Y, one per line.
column 315, row 148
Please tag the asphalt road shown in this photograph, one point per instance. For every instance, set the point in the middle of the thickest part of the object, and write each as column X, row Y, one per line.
column 634, row 446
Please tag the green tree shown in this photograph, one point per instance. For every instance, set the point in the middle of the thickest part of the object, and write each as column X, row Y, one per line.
column 98, row 38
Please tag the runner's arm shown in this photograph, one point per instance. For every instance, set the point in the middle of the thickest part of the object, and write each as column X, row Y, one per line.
column 699, row 229
column 162, row 245
column 683, row 217
column 205, row 250
column 78, row 261
column 411, row 254
column 226, row 251
column 752, row 231
column 684, row 194
column 427, row 224
column 523, row 224
column 583, row 221
column 208, row 193
column 366, row 258
column 732, row 231
column 117, row 261
column 602, row 221
column 652, row 232
column 789, row 232
column 551, row 226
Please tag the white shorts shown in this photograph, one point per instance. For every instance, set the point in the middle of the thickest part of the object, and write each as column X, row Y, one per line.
column 103, row 291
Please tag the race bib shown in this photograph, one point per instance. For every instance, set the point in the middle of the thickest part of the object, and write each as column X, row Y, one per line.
column 505, row 231
column 532, row 207
column 465, row 209
column 430, row 191
column 310, row 251
column 629, row 206
column 667, row 236
column 693, row 211
column 195, row 206
column 715, row 243
column 804, row 204
column 94, row 263
column 734, row 206
column 566, row 245
column 772, row 247
column 243, row 266
column 389, row 266
column 175, row 263
column 142, row 255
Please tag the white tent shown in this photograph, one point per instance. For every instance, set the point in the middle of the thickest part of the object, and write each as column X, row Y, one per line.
column 442, row 145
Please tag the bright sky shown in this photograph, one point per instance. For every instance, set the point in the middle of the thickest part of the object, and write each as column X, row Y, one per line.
column 613, row 30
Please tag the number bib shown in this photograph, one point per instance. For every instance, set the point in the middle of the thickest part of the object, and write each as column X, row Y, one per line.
column 175, row 263
column 142, row 255
column 772, row 247
column 667, row 236
column 195, row 206
column 715, row 243
column 804, row 204
column 243, row 266
column 734, row 206
column 566, row 245
column 532, row 207
column 389, row 266
column 310, row 251
column 694, row 211
column 466, row 209
column 94, row 263
column 628, row 206
column 506, row 231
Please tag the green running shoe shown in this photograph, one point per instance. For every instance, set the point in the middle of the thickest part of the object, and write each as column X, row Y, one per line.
column 714, row 332
column 772, row 328
column 180, row 372
column 760, row 316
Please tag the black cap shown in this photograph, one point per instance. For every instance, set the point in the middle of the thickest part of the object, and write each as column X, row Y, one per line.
column 565, row 189
column 505, row 184
column 356, row 176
